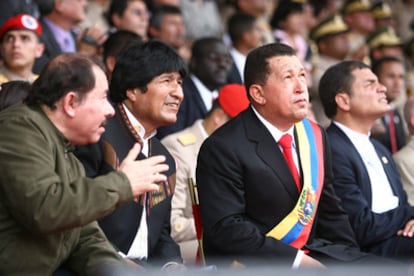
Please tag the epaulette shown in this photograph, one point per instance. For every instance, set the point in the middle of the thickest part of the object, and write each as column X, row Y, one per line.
column 187, row 139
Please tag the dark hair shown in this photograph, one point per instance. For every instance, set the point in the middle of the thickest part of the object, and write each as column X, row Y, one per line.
column 62, row 74
column 337, row 79
column 201, row 47
column 378, row 64
column 238, row 24
column 117, row 7
column 257, row 70
column 13, row 92
column 118, row 41
column 137, row 65
column 283, row 10
column 159, row 14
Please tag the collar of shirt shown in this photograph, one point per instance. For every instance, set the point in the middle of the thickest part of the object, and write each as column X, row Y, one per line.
column 140, row 130
column 63, row 37
column 206, row 94
column 274, row 131
column 239, row 60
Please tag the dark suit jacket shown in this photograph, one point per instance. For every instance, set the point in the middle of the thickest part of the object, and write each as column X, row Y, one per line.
column 234, row 75
column 246, row 188
column 121, row 226
column 353, row 186
column 191, row 109
column 52, row 48
column 384, row 138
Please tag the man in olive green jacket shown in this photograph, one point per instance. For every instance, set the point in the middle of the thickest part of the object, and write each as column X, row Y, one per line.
column 48, row 207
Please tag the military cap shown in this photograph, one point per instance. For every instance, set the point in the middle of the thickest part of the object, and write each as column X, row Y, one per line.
column 351, row 6
column 21, row 22
column 381, row 10
column 330, row 26
column 384, row 36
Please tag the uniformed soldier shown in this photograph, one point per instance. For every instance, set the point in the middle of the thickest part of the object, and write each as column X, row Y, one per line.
column 383, row 15
column 184, row 146
column 384, row 42
column 357, row 15
column 20, row 46
column 332, row 43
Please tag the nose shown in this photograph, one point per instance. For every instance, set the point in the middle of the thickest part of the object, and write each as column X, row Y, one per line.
column 109, row 110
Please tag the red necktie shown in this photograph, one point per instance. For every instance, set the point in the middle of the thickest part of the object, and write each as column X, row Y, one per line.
column 286, row 143
column 391, row 128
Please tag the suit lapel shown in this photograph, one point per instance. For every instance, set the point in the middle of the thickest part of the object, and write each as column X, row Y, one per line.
column 269, row 152
column 198, row 101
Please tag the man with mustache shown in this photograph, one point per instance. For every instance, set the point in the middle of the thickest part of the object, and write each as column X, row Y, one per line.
column 146, row 91
column 48, row 208
column 265, row 200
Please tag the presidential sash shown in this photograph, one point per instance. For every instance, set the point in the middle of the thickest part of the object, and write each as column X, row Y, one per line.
column 295, row 228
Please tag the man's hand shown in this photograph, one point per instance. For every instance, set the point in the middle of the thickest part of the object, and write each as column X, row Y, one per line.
column 408, row 230
column 142, row 174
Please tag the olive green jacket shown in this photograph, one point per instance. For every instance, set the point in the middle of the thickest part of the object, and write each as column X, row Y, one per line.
column 48, row 207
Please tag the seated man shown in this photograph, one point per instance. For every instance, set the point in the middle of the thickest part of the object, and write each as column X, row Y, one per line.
column 147, row 93
column 258, row 199
column 48, row 207
column 366, row 178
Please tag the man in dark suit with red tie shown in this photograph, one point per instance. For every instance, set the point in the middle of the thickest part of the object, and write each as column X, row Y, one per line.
column 252, row 210
column 390, row 130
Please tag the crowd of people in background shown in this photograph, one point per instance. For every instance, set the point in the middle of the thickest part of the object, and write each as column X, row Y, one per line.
column 118, row 95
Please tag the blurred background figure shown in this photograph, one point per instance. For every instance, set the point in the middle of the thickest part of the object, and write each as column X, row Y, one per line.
column 404, row 157
column 96, row 15
column 167, row 24
column 404, row 9
column 390, row 129
column 61, row 33
column 209, row 68
column 357, row 15
column 129, row 15
column 289, row 24
column 332, row 43
column 245, row 36
column 20, row 46
column 201, row 18
column 384, row 42
column 383, row 15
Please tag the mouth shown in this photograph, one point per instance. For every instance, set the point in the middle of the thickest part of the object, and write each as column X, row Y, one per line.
column 174, row 106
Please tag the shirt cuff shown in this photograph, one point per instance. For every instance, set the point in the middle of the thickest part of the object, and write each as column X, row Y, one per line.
column 298, row 259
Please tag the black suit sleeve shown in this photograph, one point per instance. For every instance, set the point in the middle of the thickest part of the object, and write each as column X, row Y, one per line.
column 228, row 230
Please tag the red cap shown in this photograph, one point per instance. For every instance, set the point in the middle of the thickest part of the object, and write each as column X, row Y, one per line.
column 233, row 99
column 21, row 22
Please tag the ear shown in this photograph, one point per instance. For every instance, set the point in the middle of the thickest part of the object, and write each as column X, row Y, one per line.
column 116, row 20
column 154, row 32
column 39, row 49
column 69, row 103
column 110, row 63
column 343, row 101
column 257, row 94
column 132, row 94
